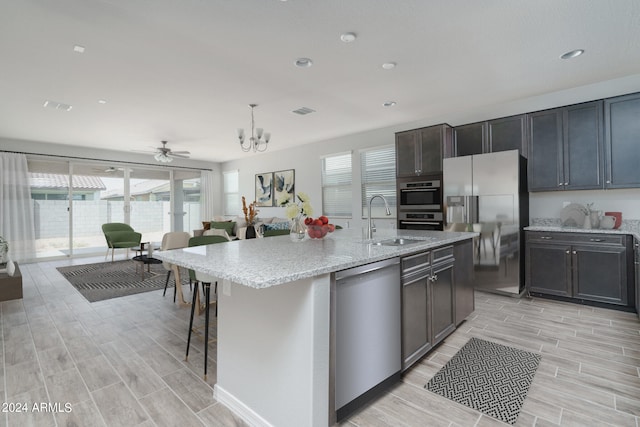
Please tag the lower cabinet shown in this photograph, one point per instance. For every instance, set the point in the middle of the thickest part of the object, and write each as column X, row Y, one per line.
column 587, row 267
column 463, row 280
column 428, row 301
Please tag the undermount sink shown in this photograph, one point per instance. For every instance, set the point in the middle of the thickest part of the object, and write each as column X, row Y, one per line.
column 398, row 241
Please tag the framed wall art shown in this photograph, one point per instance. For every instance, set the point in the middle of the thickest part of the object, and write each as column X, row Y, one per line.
column 264, row 189
column 284, row 187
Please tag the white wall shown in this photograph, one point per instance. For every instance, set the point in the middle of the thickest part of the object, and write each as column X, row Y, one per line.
column 549, row 204
column 306, row 160
column 53, row 149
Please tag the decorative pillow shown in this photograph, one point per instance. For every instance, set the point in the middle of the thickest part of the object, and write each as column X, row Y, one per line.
column 224, row 225
column 206, row 225
column 277, row 226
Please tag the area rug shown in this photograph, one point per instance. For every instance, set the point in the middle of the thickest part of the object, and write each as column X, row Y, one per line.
column 106, row 280
column 491, row 378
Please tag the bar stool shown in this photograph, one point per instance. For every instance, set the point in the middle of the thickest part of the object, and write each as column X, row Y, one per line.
column 206, row 281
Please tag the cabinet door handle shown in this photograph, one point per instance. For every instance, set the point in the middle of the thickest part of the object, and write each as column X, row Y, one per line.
column 560, row 184
column 567, row 252
column 574, row 252
column 608, row 181
column 546, row 237
column 597, row 240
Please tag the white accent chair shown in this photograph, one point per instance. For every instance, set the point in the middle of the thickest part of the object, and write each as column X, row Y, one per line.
column 173, row 240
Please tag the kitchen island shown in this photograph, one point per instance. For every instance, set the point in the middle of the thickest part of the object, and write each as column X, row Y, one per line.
column 274, row 352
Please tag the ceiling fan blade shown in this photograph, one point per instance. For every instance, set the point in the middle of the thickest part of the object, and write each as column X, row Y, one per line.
column 182, row 156
column 144, row 151
column 180, row 152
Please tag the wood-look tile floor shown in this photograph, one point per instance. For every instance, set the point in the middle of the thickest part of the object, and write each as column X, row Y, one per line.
column 121, row 362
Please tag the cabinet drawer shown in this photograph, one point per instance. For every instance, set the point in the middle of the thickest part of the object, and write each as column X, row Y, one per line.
column 442, row 254
column 573, row 238
column 414, row 263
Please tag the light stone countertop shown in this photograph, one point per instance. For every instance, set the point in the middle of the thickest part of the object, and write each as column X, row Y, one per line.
column 261, row 263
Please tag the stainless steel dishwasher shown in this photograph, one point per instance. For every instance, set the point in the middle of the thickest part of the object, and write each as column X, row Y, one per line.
column 367, row 333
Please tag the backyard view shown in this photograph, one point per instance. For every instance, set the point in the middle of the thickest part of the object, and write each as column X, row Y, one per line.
column 98, row 200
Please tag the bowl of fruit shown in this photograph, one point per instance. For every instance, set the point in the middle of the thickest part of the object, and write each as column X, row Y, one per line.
column 319, row 227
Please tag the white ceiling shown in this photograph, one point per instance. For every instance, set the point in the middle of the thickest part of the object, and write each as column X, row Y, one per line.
column 185, row 70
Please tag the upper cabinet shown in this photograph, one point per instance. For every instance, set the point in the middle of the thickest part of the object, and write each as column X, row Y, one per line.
column 508, row 133
column 470, row 139
column 622, row 141
column 420, row 151
column 566, row 148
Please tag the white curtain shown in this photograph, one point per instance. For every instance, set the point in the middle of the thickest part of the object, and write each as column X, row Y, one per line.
column 207, row 195
column 16, row 209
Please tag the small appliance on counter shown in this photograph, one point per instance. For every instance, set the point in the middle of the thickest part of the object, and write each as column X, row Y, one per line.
column 617, row 216
column 607, row 222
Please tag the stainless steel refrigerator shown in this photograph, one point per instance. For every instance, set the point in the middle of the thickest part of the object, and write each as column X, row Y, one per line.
column 487, row 193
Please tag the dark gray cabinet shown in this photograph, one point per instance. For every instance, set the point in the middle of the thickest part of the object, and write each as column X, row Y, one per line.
column 507, row 133
column 463, row 280
column 566, row 148
column 622, row 141
column 420, row 151
column 546, row 269
column 470, row 139
column 589, row 267
column 636, row 257
column 428, row 301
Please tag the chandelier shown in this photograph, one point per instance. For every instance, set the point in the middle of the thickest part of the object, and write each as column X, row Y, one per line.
column 258, row 141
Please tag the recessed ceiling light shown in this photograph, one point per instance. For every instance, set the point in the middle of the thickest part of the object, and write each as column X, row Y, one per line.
column 348, row 37
column 79, row 49
column 57, row 105
column 303, row 62
column 389, row 103
column 572, row 54
column 389, row 65
column 102, row 101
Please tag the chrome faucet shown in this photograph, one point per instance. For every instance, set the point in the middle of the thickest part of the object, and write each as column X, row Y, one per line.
column 370, row 228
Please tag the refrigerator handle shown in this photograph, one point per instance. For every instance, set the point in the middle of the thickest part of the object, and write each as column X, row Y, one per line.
column 467, row 212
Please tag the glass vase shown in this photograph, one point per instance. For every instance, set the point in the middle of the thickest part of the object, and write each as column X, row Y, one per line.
column 298, row 229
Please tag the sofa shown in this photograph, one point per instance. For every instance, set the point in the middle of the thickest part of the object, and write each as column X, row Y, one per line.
column 236, row 227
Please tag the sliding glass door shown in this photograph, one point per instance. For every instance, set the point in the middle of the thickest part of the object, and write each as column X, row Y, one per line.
column 50, row 197
column 73, row 199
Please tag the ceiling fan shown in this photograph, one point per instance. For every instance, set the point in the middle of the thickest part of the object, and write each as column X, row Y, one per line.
column 109, row 170
column 164, row 154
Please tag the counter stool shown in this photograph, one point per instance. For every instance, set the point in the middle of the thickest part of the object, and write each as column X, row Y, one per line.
column 206, row 288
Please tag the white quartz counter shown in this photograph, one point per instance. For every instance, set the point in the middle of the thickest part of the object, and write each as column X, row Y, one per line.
column 261, row 263
column 634, row 233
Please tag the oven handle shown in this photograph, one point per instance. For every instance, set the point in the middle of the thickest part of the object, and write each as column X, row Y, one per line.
column 420, row 222
column 406, row 190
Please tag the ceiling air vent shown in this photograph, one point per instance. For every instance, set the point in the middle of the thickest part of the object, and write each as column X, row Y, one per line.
column 303, row 111
column 57, row 105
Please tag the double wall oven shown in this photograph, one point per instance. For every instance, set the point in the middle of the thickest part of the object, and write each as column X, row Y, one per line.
column 420, row 203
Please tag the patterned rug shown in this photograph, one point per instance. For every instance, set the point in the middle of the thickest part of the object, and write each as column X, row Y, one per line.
column 491, row 378
column 106, row 280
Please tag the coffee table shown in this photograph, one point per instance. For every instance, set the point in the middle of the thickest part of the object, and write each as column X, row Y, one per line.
column 145, row 259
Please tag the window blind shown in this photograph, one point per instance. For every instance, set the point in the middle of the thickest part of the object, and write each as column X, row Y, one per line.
column 336, row 185
column 378, row 169
column 231, row 188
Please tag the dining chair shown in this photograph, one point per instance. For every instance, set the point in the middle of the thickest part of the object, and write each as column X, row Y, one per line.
column 206, row 281
column 173, row 240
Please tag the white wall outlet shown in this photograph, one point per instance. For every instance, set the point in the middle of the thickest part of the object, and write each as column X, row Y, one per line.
column 226, row 288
